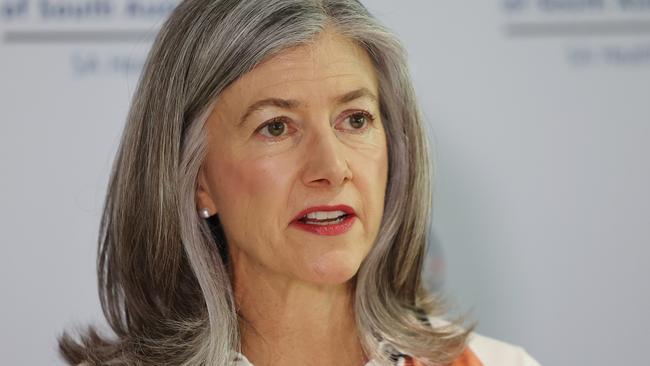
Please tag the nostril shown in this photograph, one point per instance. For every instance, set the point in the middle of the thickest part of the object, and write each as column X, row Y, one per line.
column 322, row 182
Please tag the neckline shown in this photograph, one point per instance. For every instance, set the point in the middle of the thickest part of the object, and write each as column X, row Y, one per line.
column 241, row 360
column 399, row 358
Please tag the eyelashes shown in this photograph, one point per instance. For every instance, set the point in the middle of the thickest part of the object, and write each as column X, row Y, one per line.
column 278, row 128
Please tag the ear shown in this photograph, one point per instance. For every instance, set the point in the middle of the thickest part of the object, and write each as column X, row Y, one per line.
column 204, row 198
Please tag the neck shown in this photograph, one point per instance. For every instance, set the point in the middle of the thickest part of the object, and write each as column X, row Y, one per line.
column 287, row 322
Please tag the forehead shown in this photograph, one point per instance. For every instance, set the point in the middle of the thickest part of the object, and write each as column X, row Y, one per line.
column 328, row 66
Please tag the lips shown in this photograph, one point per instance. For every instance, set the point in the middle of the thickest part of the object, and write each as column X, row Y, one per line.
column 323, row 213
column 325, row 220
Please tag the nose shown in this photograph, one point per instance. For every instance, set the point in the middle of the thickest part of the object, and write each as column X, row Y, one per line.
column 326, row 162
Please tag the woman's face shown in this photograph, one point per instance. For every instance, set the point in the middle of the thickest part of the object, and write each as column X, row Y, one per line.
column 301, row 133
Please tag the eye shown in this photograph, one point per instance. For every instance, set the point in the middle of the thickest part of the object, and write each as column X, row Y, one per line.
column 274, row 128
column 359, row 120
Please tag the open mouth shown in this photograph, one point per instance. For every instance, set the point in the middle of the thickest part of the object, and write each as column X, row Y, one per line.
column 325, row 221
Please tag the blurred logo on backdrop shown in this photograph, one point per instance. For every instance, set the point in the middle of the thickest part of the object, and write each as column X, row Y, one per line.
column 93, row 38
column 49, row 12
column 589, row 33
column 584, row 33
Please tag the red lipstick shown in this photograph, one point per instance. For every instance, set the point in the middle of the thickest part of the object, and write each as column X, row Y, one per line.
column 324, row 220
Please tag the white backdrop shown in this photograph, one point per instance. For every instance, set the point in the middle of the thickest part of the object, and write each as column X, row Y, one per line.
column 540, row 112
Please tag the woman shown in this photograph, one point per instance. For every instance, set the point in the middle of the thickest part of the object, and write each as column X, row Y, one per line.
column 270, row 199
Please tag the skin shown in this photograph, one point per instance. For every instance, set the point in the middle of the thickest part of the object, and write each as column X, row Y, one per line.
column 294, row 288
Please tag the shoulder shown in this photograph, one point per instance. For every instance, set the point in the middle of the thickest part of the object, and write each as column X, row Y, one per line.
column 493, row 352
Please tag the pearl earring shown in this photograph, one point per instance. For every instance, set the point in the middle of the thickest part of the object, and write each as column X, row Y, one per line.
column 204, row 212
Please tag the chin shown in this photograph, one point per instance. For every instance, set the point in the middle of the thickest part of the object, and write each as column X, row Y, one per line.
column 334, row 268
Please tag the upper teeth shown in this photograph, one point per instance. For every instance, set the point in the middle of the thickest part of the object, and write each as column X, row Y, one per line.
column 324, row 215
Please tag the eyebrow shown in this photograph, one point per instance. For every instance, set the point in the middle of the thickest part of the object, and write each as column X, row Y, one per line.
column 356, row 94
column 293, row 104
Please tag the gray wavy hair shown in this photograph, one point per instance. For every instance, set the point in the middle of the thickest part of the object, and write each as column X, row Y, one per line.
column 164, row 285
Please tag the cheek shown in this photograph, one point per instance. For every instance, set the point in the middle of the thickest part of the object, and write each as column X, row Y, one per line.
column 379, row 187
column 251, row 194
column 370, row 170
column 373, row 164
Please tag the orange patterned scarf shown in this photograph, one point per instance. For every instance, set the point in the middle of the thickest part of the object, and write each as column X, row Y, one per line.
column 467, row 358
